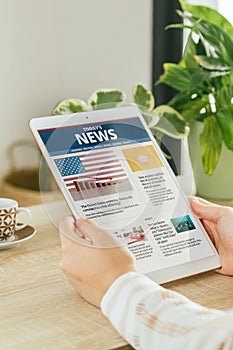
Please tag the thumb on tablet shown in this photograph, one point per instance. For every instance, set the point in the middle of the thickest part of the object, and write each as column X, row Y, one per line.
column 205, row 209
column 98, row 235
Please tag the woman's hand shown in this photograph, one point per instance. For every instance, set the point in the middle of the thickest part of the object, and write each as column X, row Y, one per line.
column 218, row 222
column 95, row 261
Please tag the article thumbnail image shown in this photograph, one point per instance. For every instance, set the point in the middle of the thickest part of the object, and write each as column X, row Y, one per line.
column 133, row 235
column 142, row 158
column 183, row 223
column 90, row 189
column 93, row 174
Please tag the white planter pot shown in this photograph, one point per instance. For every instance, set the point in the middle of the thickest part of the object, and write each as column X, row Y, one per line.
column 218, row 186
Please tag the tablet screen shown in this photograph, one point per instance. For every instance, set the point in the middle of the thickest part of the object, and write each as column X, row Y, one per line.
column 115, row 174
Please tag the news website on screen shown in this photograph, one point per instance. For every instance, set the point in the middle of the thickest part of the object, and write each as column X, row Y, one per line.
column 115, row 176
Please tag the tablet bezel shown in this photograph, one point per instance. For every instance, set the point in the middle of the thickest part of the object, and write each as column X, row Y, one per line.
column 111, row 114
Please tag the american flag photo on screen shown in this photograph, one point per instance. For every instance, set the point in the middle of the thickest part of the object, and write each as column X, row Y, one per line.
column 92, row 171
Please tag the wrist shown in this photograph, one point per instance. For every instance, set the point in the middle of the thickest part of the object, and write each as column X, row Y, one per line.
column 114, row 277
column 115, row 283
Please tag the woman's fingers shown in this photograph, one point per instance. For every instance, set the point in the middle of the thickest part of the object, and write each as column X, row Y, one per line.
column 86, row 232
column 205, row 209
column 69, row 231
column 210, row 229
column 204, row 201
column 67, row 225
column 99, row 236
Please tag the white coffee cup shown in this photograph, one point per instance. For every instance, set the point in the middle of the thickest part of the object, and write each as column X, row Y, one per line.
column 9, row 211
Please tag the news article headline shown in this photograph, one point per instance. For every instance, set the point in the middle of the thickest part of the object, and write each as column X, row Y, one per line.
column 76, row 138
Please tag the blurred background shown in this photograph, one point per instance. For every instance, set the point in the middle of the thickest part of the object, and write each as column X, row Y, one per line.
column 56, row 49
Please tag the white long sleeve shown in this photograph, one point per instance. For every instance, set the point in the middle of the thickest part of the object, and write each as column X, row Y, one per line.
column 151, row 317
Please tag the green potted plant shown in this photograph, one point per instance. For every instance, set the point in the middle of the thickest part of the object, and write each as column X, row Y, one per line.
column 204, row 80
column 162, row 120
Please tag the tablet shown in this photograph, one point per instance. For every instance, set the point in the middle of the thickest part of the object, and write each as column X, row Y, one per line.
column 110, row 169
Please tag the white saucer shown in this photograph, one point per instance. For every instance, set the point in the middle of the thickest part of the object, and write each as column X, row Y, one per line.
column 19, row 237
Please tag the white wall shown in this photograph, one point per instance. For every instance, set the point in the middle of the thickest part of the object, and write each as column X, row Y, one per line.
column 225, row 7
column 210, row 3
column 54, row 49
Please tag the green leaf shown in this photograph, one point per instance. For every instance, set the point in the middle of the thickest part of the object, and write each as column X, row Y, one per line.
column 190, row 104
column 70, row 106
column 224, row 91
column 192, row 109
column 209, row 14
column 216, row 74
column 182, row 14
column 201, row 75
column 151, row 119
column 225, row 120
column 189, row 52
column 180, row 100
column 216, row 38
column 182, row 79
column 213, row 29
column 178, row 26
column 104, row 98
column 211, row 144
column 175, row 76
column 171, row 122
column 185, row 80
column 211, row 63
column 200, row 48
column 198, row 76
column 143, row 97
column 162, row 109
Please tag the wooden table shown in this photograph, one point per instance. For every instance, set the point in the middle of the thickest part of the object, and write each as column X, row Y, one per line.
column 39, row 310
